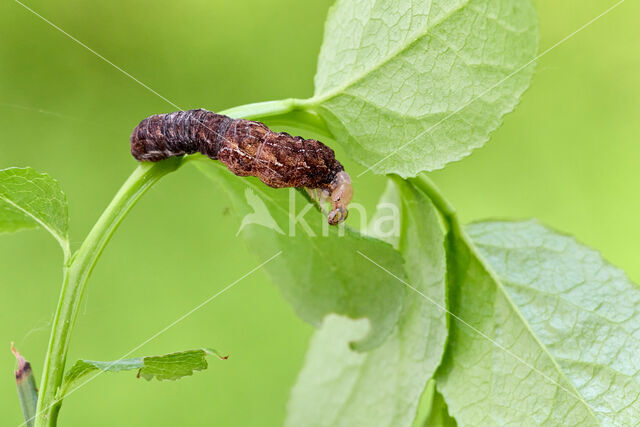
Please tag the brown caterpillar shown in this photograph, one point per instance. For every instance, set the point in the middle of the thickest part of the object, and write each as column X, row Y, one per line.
column 247, row 148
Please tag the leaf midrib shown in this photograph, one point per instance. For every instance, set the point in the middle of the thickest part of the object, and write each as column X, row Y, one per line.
column 63, row 241
column 561, row 299
column 337, row 90
column 500, row 286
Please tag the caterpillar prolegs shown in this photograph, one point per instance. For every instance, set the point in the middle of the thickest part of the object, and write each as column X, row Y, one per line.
column 247, row 148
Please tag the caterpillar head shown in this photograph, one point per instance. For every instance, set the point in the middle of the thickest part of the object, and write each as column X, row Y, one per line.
column 340, row 197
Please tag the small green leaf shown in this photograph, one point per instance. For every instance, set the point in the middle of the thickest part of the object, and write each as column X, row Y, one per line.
column 564, row 325
column 319, row 271
column 410, row 86
column 340, row 387
column 30, row 199
column 171, row 366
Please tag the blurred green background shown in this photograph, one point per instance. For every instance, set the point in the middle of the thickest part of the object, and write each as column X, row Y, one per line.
column 569, row 155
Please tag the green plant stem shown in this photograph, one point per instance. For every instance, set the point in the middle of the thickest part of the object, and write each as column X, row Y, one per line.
column 287, row 112
column 77, row 270
column 450, row 215
column 262, row 110
column 75, row 278
column 434, row 193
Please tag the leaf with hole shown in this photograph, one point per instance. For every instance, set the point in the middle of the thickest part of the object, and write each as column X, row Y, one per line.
column 340, row 387
column 172, row 366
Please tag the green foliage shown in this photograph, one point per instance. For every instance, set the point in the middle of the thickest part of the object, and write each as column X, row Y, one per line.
column 498, row 323
column 29, row 199
column 543, row 331
column 410, row 86
column 584, row 316
column 553, row 331
column 338, row 386
column 513, row 376
column 318, row 274
column 172, row 366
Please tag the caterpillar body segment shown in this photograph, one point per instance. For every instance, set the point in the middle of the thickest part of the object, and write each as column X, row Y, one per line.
column 247, row 148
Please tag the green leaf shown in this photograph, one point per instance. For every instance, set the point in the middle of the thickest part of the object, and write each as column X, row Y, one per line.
column 29, row 199
column 340, row 387
column 565, row 329
column 319, row 270
column 409, row 86
column 171, row 366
